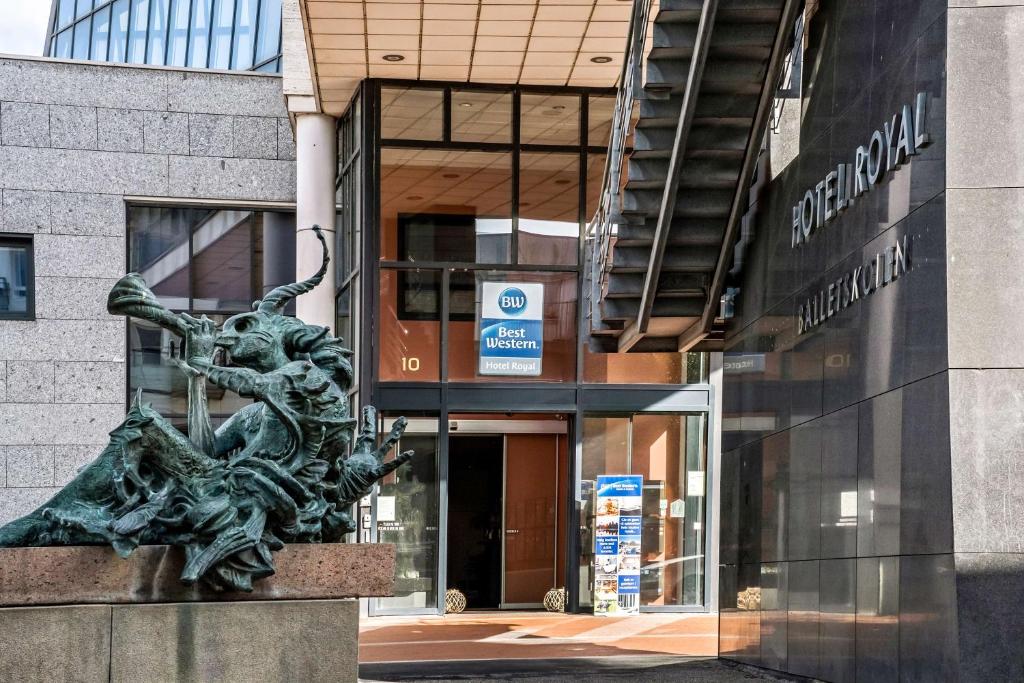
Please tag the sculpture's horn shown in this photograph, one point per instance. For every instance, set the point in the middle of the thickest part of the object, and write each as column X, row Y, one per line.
column 278, row 298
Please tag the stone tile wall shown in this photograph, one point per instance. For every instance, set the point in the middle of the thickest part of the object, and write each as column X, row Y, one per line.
column 75, row 140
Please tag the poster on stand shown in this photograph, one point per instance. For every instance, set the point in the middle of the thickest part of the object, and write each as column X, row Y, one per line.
column 617, row 544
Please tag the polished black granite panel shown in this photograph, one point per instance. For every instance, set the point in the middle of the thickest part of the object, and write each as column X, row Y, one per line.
column 926, row 510
column 839, row 484
column 878, row 619
column 928, row 619
column 837, row 626
column 728, row 523
column 879, row 446
column 804, row 605
column 774, row 496
column 838, row 438
column 774, row 615
column 804, row 523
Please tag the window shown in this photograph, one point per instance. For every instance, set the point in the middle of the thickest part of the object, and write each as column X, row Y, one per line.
column 245, row 34
column 204, row 261
column 669, row 451
column 16, row 279
column 100, row 34
column 245, row 29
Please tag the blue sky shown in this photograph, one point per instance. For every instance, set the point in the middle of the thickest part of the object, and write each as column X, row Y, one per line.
column 23, row 26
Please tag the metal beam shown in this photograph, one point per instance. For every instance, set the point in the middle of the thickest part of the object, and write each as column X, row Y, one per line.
column 779, row 54
column 668, row 197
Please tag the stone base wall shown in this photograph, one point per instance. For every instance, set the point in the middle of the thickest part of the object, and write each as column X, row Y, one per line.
column 295, row 640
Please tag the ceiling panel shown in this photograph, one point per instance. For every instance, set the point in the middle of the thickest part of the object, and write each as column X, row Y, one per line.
column 532, row 42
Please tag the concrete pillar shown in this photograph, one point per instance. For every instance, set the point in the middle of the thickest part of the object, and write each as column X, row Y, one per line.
column 316, row 163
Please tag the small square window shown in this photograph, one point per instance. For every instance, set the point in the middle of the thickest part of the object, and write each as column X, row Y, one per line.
column 17, row 285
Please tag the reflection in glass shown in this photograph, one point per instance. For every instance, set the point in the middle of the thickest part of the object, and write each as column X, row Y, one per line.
column 137, row 33
column 600, row 111
column 605, row 451
column 224, row 268
column 14, row 278
column 151, row 349
column 549, row 224
column 480, row 116
column 268, row 35
column 199, row 33
column 245, row 28
column 411, row 114
column 559, row 353
column 227, row 256
column 62, row 45
column 65, row 12
column 157, row 30
column 220, row 40
column 439, row 205
column 644, row 368
column 411, row 493
column 409, row 337
column 549, row 119
column 80, row 49
column 100, row 34
column 178, row 33
column 119, row 31
column 669, row 450
column 158, row 245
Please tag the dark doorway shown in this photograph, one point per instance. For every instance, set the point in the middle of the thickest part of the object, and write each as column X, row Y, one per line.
column 475, row 465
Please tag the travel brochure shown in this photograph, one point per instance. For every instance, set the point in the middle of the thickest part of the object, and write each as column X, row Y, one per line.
column 617, row 545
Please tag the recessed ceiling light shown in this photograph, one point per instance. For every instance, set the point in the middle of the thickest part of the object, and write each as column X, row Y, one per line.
column 393, row 58
column 465, row 104
column 601, row 59
column 558, row 107
column 449, row 175
column 414, row 197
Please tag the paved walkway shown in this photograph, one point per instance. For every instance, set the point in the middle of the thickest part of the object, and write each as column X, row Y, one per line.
column 534, row 635
column 654, row 668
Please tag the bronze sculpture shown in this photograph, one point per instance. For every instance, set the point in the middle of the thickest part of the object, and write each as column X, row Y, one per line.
column 283, row 469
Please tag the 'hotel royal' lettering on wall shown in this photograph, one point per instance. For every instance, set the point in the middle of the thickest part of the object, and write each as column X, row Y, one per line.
column 886, row 267
column 898, row 140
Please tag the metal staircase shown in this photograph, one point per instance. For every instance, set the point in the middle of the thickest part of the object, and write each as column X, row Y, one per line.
column 662, row 240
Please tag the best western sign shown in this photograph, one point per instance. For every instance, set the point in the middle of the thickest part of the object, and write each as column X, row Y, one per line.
column 890, row 147
column 512, row 329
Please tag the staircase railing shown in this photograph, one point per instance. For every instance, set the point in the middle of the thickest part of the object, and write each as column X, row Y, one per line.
column 602, row 228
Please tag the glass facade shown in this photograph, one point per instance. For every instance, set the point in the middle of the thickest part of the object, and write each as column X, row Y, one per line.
column 207, row 262
column 445, row 191
column 669, row 450
column 16, row 280
column 205, row 34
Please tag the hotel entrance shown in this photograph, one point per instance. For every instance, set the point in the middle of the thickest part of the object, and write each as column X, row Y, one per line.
column 489, row 521
column 506, row 509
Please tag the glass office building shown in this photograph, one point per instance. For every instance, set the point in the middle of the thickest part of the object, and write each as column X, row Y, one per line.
column 203, row 34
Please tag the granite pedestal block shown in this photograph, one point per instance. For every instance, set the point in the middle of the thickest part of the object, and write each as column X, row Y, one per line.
column 83, row 614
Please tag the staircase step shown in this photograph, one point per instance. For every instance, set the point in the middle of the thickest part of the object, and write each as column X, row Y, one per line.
column 684, row 260
column 629, row 309
column 683, row 232
column 706, row 173
column 677, row 285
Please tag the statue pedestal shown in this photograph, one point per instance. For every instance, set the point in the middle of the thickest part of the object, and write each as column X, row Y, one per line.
column 84, row 614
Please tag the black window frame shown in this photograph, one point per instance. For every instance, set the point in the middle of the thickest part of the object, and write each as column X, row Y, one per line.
column 26, row 241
